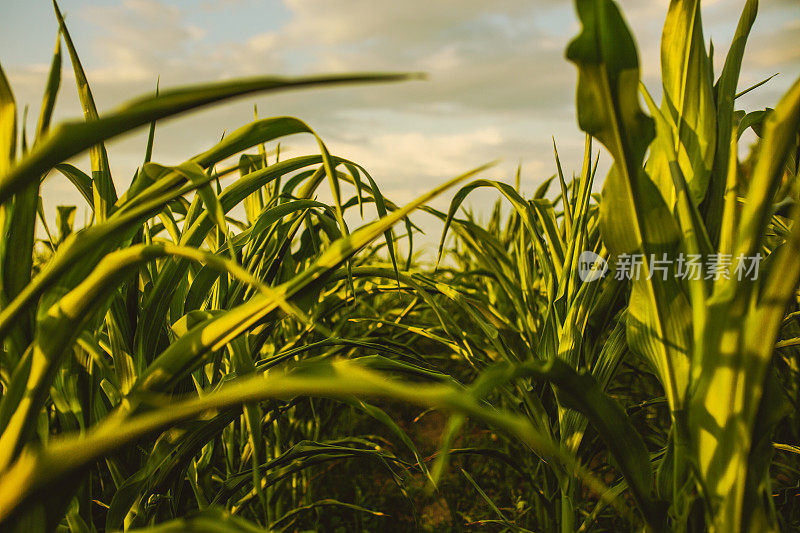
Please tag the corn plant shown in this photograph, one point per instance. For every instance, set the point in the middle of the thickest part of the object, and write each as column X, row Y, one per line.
column 709, row 340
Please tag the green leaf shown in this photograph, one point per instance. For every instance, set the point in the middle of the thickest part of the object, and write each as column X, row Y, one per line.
column 8, row 125
column 745, row 316
column 187, row 352
column 41, row 470
column 105, row 194
column 634, row 219
column 71, row 138
column 50, row 93
column 725, row 90
column 579, row 391
column 687, row 106
column 17, row 223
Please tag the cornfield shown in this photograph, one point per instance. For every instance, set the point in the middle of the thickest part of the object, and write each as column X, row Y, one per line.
column 206, row 358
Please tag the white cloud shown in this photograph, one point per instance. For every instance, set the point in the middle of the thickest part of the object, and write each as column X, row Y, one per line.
column 413, row 21
column 422, row 155
column 447, row 58
column 499, row 85
column 779, row 49
column 141, row 38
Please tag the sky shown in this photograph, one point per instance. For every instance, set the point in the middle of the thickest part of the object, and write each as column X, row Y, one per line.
column 497, row 84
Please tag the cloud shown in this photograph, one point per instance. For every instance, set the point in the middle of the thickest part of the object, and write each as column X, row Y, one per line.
column 498, row 84
column 423, row 155
column 140, row 38
column 411, row 24
column 778, row 49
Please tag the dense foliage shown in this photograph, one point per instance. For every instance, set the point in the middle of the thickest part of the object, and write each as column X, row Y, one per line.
column 208, row 358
